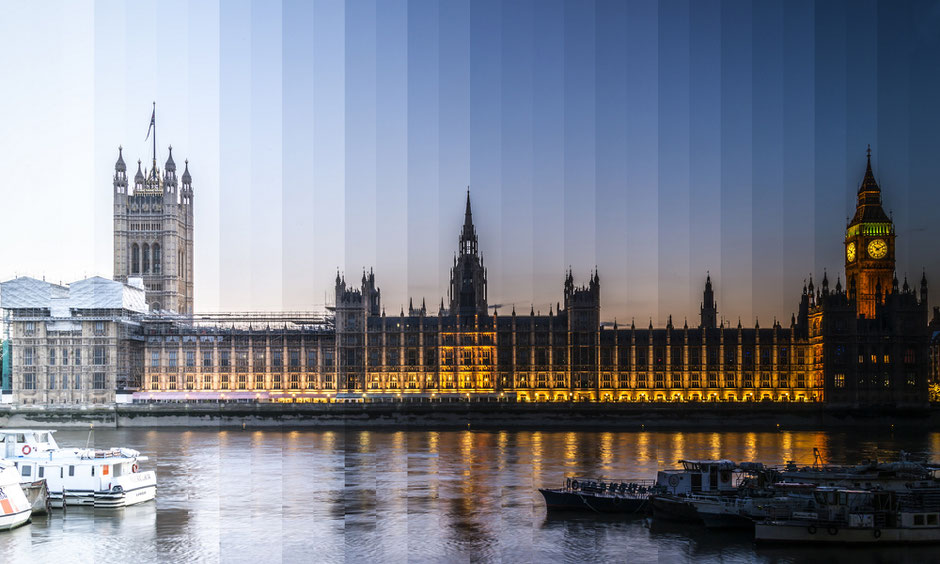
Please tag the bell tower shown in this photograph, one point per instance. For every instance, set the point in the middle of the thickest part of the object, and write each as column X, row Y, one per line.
column 869, row 248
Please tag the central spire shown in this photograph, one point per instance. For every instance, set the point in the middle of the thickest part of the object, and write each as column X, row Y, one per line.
column 468, row 235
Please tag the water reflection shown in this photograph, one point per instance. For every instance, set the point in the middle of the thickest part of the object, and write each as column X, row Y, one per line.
column 335, row 496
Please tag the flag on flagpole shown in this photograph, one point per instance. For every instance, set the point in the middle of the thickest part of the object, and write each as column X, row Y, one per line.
column 153, row 122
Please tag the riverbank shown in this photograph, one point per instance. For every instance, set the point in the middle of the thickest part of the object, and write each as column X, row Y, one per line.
column 462, row 415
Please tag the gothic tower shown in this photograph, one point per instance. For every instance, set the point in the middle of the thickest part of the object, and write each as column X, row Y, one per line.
column 468, row 277
column 153, row 233
column 869, row 248
column 709, row 310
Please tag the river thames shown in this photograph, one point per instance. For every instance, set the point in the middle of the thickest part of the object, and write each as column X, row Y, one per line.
column 420, row 496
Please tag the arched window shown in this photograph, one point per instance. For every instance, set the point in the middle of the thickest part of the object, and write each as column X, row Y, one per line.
column 135, row 259
column 156, row 258
column 146, row 268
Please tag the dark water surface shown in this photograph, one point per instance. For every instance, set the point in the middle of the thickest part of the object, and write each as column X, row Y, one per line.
column 419, row 496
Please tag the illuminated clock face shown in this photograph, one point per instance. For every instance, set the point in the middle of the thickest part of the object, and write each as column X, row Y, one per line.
column 850, row 252
column 877, row 249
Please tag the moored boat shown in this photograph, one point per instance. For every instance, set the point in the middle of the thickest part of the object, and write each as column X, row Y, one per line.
column 37, row 493
column 859, row 517
column 103, row 478
column 15, row 509
column 600, row 497
column 678, row 487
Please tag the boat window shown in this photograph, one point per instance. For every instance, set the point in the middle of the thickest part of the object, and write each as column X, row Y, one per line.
column 932, row 519
column 92, row 470
column 27, row 470
column 20, row 438
column 42, row 437
column 42, row 471
column 918, row 520
column 71, row 470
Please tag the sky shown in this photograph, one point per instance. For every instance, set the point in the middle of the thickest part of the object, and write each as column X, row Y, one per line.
column 655, row 141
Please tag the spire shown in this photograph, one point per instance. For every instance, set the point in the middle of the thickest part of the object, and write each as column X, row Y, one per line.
column 139, row 177
column 468, row 235
column 869, row 207
column 468, row 215
column 170, row 165
column 868, row 182
column 187, row 179
column 119, row 166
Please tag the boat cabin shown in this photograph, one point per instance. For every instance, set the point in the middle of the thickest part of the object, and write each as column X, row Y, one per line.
column 698, row 477
column 26, row 442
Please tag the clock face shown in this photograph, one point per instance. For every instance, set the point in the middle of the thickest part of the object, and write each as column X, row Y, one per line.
column 877, row 249
column 850, row 252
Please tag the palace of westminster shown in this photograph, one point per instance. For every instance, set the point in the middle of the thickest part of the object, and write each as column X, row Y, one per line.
column 136, row 338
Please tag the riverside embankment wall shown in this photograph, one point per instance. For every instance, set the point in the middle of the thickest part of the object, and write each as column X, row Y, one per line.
column 586, row 416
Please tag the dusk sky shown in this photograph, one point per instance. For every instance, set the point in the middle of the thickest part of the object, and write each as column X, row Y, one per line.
column 655, row 140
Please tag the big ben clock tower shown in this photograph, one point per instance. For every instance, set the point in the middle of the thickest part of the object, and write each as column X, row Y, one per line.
column 869, row 247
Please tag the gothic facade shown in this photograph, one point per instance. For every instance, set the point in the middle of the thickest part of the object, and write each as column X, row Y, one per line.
column 863, row 344
column 153, row 233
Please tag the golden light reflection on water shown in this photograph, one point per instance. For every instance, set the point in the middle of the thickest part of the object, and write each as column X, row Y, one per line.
column 365, row 441
column 750, row 447
column 678, row 446
column 934, row 441
column 786, row 446
column 472, row 493
column 571, row 449
column 466, row 452
column 714, row 443
column 502, row 440
column 537, row 457
column 643, row 447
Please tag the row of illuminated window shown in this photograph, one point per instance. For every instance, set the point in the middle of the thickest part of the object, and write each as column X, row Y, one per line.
column 659, row 380
column 51, row 381
column 839, row 380
column 224, row 358
column 240, row 382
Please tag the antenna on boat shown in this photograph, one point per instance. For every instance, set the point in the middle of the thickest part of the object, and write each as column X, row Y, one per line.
column 817, row 457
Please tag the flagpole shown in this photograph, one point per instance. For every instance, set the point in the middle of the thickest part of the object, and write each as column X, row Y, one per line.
column 154, row 169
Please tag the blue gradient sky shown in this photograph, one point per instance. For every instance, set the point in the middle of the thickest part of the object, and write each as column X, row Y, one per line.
column 656, row 140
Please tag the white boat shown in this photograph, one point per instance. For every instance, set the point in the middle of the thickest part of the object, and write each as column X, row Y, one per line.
column 79, row 476
column 15, row 509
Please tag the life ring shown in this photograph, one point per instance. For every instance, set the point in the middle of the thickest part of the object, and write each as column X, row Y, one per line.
column 877, row 533
column 574, row 483
column 833, row 531
column 673, row 480
column 27, row 449
column 134, row 468
column 725, row 476
column 811, row 529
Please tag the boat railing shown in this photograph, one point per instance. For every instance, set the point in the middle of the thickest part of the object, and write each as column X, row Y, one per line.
column 613, row 488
